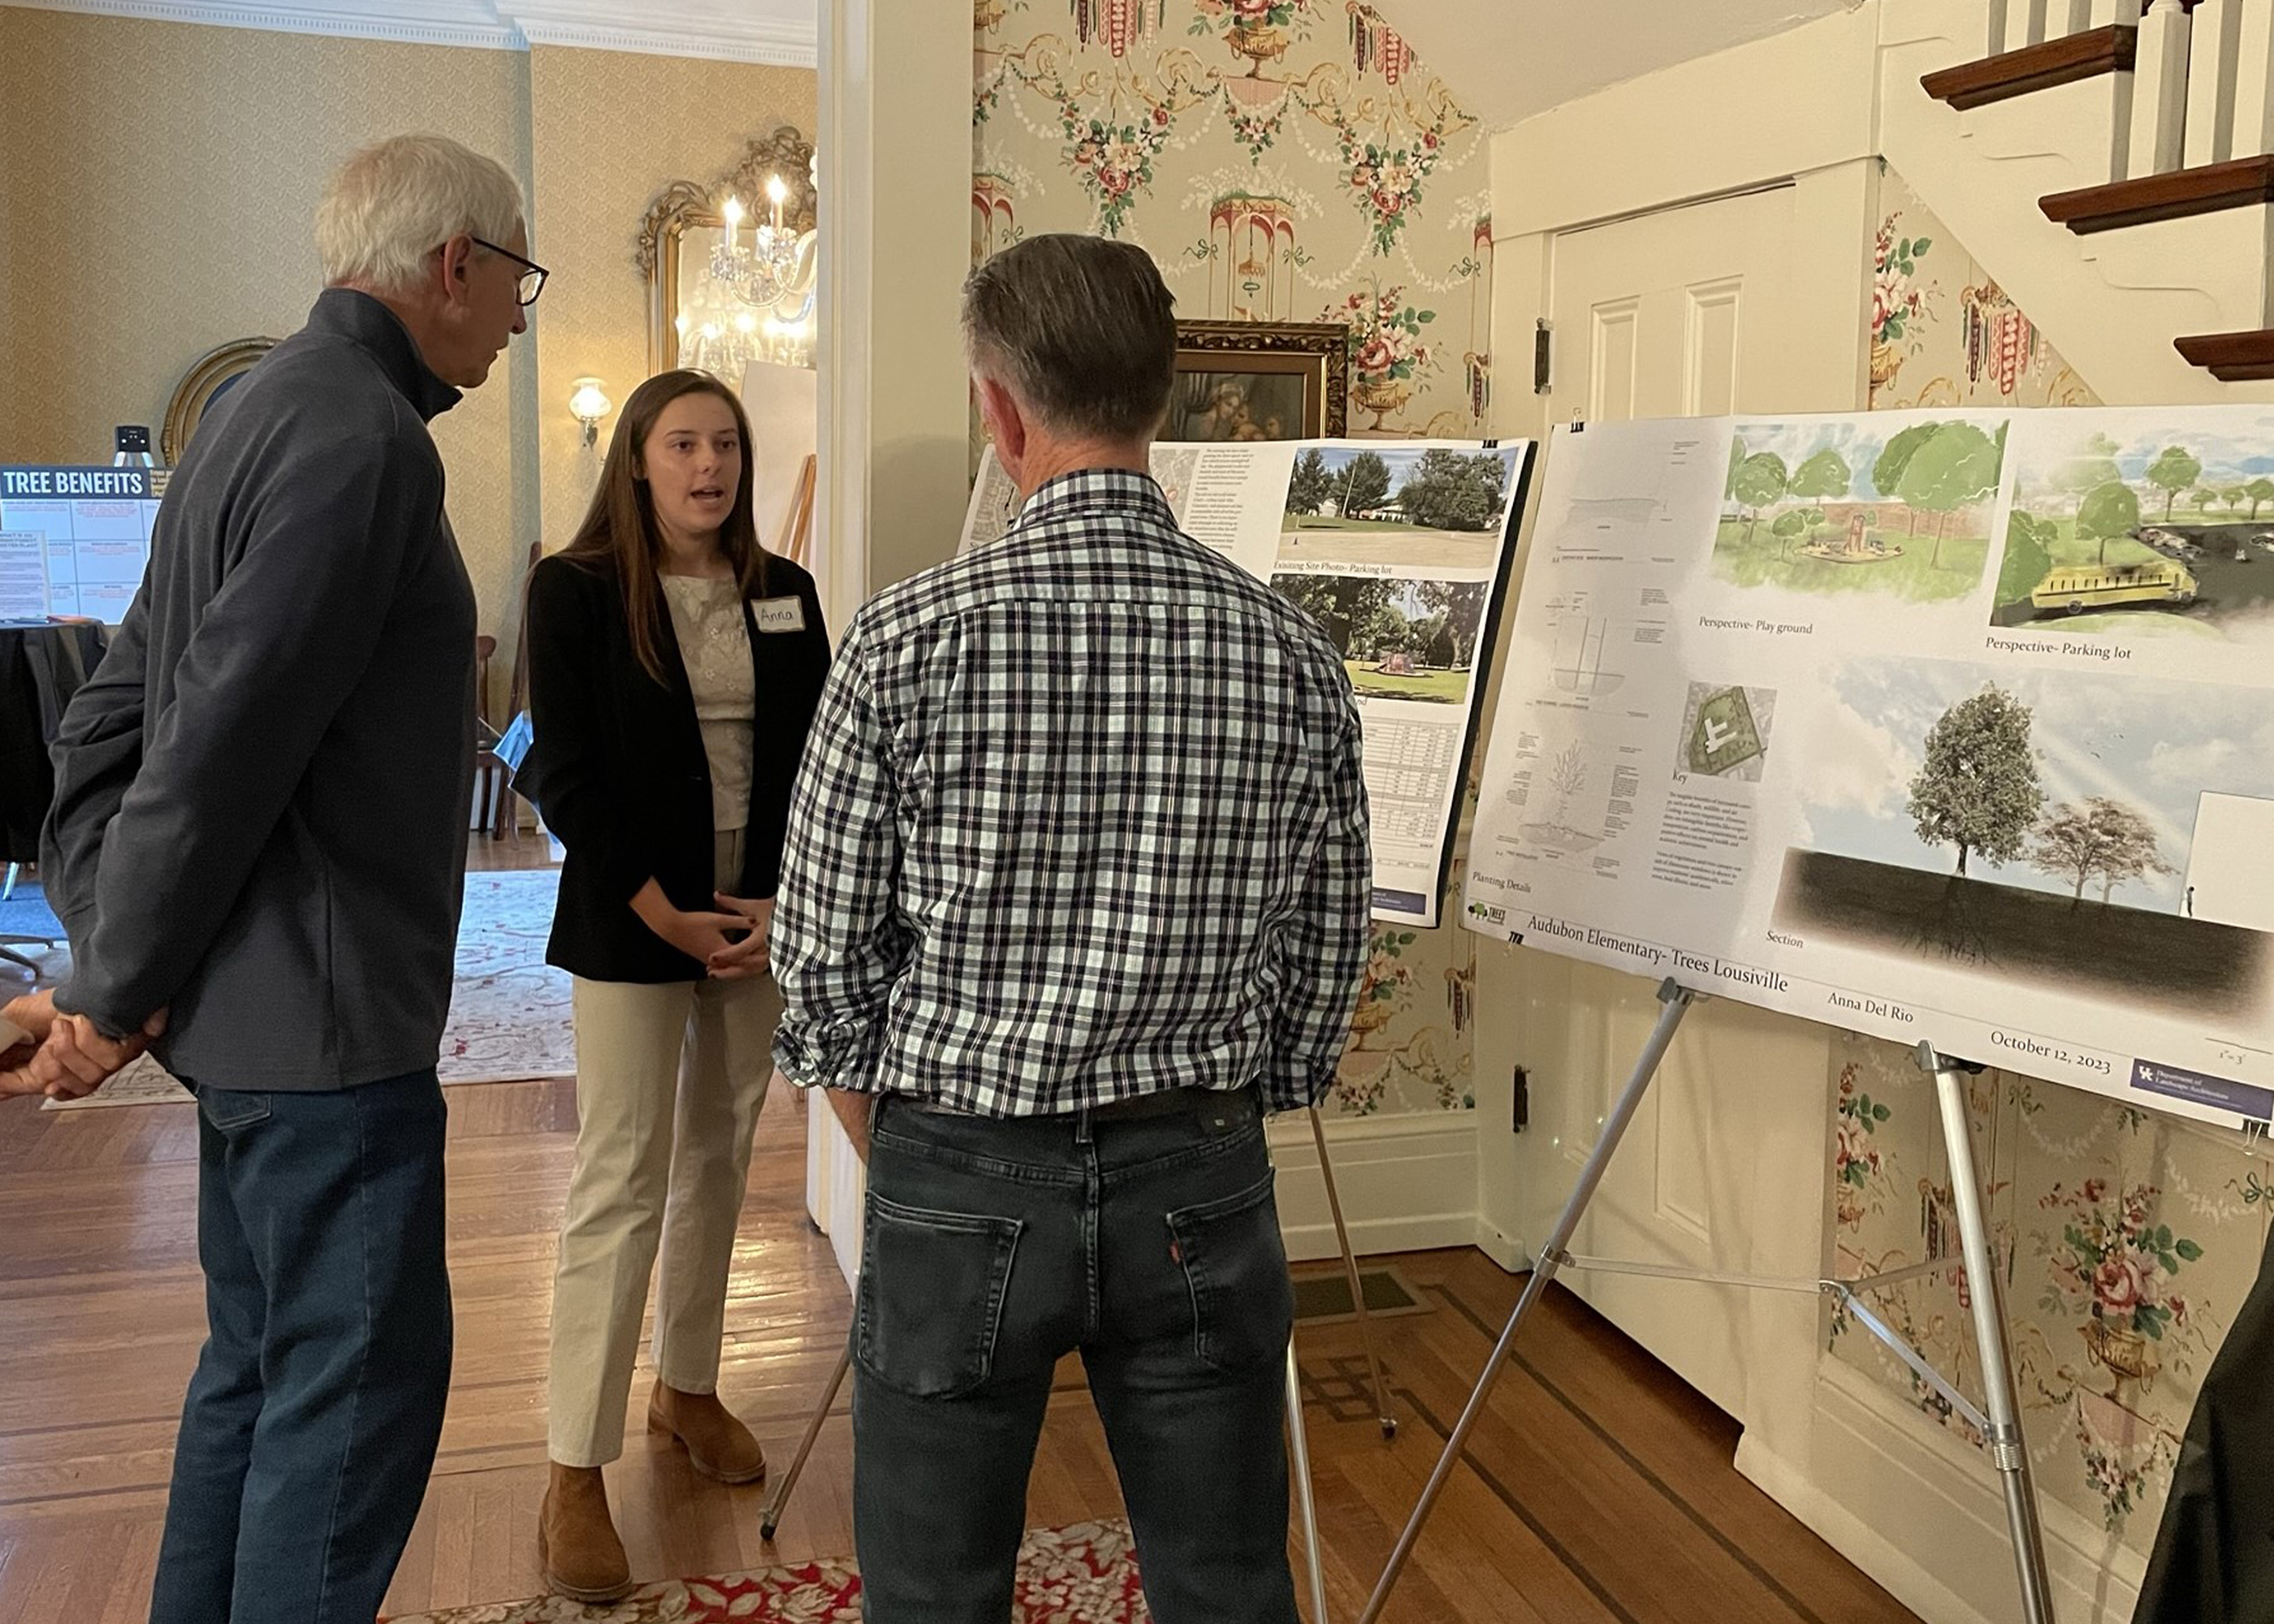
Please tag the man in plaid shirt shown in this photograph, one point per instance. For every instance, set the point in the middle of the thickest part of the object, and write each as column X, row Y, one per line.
column 1076, row 893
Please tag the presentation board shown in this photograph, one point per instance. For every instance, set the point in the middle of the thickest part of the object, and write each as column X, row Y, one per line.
column 1949, row 726
column 73, row 541
column 1401, row 550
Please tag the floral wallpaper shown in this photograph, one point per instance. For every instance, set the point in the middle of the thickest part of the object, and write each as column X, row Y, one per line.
column 1943, row 332
column 1283, row 160
column 2127, row 1240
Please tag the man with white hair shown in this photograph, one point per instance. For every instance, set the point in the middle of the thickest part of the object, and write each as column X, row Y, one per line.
column 1075, row 893
column 260, row 827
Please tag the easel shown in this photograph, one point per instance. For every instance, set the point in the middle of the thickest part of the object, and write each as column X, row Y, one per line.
column 1297, row 1439
column 2000, row 1426
column 797, row 521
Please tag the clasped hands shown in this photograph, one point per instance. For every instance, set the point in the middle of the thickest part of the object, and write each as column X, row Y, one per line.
column 703, row 935
column 63, row 1055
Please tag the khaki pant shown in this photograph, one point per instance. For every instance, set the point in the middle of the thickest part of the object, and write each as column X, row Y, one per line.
column 669, row 1081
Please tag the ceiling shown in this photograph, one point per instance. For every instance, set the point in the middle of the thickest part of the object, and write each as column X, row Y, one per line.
column 1509, row 59
column 777, row 31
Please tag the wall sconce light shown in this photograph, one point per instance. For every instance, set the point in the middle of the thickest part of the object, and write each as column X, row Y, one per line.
column 588, row 402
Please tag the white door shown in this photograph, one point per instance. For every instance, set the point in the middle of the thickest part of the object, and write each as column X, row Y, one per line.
column 1670, row 314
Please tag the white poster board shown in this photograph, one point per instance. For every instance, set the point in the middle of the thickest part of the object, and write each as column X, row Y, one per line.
column 92, row 525
column 1947, row 726
column 1401, row 549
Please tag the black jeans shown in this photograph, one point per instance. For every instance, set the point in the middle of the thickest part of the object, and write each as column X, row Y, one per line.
column 311, row 1422
column 994, row 1248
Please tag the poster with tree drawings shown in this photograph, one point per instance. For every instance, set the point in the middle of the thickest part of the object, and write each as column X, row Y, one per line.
column 1929, row 725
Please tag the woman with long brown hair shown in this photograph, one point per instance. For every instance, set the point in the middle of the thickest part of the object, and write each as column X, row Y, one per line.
column 674, row 665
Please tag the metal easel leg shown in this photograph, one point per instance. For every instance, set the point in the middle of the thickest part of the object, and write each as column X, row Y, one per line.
column 1674, row 1002
column 1298, row 1446
column 1350, row 1269
column 779, row 1500
column 2009, row 1451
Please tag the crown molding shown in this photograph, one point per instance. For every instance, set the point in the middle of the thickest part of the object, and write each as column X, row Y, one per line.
column 724, row 30
column 780, row 32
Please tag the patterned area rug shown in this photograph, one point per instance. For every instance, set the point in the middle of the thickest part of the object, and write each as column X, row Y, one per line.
column 1086, row 1574
column 509, row 1016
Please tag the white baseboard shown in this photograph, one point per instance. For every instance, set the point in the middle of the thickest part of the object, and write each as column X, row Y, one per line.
column 1920, row 1511
column 1407, row 1184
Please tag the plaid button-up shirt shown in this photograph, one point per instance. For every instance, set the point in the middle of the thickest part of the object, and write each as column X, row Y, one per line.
column 1081, row 817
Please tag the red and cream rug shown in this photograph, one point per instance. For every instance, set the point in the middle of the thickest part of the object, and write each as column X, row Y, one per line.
column 1085, row 1574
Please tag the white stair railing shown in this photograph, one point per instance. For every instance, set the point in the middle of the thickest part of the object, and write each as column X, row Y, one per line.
column 2203, row 79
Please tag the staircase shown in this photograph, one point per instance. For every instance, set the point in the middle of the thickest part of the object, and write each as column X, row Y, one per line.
column 2113, row 162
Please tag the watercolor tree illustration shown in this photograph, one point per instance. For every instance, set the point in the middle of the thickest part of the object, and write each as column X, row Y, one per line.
column 2102, row 839
column 1832, row 511
column 1956, row 466
column 1758, row 483
column 2109, row 514
column 2177, row 469
column 2029, row 543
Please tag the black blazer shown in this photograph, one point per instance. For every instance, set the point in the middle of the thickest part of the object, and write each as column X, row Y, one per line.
column 616, row 764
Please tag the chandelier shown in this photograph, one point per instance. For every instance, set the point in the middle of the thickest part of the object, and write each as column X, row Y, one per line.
column 761, row 273
column 757, row 302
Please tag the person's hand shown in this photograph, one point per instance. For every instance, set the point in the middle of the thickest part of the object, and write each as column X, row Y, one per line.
column 853, row 1113
column 72, row 1059
column 33, row 1015
column 699, row 936
column 752, row 955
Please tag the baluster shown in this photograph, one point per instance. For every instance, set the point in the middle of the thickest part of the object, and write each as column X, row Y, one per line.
column 2253, row 85
column 2159, row 92
column 2101, row 14
column 1994, row 41
column 2214, row 59
column 2025, row 22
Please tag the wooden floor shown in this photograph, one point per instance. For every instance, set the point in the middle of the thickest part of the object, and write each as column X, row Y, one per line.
column 1599, row 1487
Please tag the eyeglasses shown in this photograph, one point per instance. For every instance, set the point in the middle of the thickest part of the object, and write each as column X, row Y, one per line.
column 532, row 275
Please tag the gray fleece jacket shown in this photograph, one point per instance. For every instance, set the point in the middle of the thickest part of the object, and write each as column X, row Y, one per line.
column 262, row 794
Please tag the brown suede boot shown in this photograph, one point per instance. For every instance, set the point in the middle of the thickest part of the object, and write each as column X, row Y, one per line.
column 576, row 1542
column 718, row 1446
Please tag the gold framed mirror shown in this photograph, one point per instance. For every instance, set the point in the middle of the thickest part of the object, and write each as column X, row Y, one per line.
column 211, row 376
column 688, row 223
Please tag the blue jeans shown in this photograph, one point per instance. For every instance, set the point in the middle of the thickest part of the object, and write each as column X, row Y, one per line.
column 313, row 1419
column 993, row 1248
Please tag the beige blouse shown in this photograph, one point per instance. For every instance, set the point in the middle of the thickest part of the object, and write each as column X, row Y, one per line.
column 707, row 615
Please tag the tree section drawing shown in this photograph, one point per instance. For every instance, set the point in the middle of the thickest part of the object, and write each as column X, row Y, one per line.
column 2042, row 827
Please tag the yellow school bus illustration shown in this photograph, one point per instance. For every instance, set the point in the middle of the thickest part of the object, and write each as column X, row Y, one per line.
column 2074, row 589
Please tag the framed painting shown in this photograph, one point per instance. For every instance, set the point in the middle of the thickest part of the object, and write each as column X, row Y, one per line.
column 211, row 376
column 1259, row 381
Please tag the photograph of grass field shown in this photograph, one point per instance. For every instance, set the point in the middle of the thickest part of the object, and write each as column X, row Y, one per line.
column 1400, row 639
column 1433, row 507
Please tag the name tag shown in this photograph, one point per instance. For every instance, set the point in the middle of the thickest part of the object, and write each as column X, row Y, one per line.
column 779, row 614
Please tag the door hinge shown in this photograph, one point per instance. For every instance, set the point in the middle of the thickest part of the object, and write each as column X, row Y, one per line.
column 1520, row 1113
column 1541, row 356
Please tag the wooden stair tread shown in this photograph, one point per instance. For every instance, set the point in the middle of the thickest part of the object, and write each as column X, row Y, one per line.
column 2035, row 67
column 2240, row 183
column 2231, row 357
